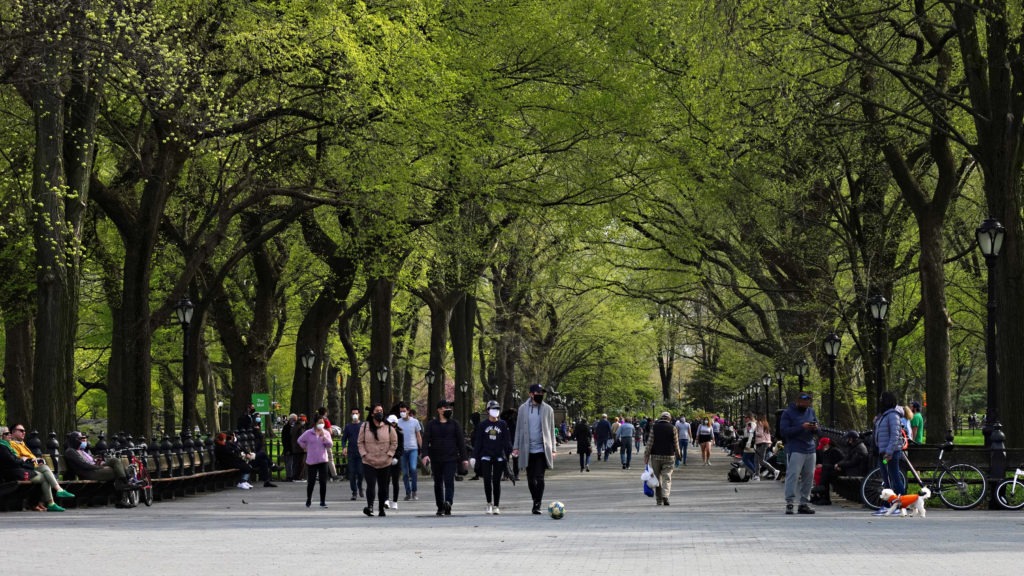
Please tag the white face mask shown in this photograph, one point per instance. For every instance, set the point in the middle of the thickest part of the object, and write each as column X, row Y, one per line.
column 320, row 426
column 404, row 415
column 355, row 417
column 493, row 413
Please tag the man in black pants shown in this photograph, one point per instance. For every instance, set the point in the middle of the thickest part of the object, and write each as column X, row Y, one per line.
column 535, row 436
column 445, row 447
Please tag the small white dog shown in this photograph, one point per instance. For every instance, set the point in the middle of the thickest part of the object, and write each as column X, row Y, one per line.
column 898, row 505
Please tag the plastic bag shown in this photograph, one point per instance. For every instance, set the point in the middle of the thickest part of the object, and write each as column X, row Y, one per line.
column 650, row 480
column 648, row 491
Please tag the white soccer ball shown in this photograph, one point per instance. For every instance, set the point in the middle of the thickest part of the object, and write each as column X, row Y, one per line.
column 557, row 510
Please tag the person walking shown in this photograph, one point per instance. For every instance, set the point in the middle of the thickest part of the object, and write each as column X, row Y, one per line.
column 584, row 441
column 602, row 434
column 286, row 447
column 492, row 444
column 705, row 436
column 535, row 437
column 798, row 426
column 445, row 446
column 317, row 444
column 395, row 472
column 662, row 452
column 350, row 449
column 890, row 443
column 624, row 435
column 377, row 443
column 412, row 439
column 762, row 442
column 683, row 429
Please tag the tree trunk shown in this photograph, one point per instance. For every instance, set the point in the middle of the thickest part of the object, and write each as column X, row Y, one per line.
column 460, row 330
column 936, row 326
column 17, row 366
column 382, row 291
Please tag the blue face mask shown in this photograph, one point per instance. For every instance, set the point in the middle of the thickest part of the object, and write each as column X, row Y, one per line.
column 83, row 445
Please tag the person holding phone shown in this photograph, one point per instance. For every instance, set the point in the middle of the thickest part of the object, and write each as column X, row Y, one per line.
column 798, row 426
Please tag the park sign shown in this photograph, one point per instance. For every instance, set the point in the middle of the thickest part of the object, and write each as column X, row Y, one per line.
column 262, row 403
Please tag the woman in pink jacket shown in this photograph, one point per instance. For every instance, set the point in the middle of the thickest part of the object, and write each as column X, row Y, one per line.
column 377, row 444
column 317, row 442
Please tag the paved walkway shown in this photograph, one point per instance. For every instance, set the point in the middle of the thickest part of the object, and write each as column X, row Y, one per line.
column 712, row 526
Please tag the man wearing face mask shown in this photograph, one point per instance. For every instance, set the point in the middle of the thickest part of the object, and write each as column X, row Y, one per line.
column 492, row 445
column 412, row 437
column 798, row 426
column 445, row 446
column 349, row 443
column 535, row 436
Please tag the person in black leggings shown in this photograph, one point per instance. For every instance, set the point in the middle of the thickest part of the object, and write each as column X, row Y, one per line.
column 492, row 443
column 317, row 443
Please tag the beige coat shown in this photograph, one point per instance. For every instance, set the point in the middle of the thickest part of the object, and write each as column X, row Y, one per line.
column 377, row 452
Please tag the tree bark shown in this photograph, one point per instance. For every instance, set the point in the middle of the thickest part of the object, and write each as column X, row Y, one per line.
column 381, row 352
column 17, row 366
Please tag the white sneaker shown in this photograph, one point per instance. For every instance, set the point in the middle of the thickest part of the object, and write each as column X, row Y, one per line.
column 490, row 509
column 756, row 479
column 387, row 504
column 394, row 504
column 244, row 486
column 496, row 511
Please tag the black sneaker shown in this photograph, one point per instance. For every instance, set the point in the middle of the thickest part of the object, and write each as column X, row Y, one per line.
column 381, row 513
column 447, row 508
column 440, row 512
column 536, row 508
column 353, row 496
column 805, row 509
column 789, row 508
column 368, row 511
column 269, row 485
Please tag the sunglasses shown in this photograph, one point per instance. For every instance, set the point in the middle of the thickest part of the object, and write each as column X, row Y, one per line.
column 18, row 430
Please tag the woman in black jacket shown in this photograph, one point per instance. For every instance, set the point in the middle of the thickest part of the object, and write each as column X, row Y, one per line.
column 492, row 443
column 583, row 443
column 445, row 448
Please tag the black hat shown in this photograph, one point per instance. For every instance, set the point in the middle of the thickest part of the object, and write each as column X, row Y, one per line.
column 442, row 403
column 77, row 436
column 536, row 388
column 493, row 404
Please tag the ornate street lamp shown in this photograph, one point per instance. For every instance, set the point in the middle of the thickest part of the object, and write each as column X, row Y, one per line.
column 184, row 311
column 465, row 401
column 801, row 369
column 990, row 240
column 780, row 375
column 766, row 382
column 879, row 308
column 832, row 345
column 382, row 380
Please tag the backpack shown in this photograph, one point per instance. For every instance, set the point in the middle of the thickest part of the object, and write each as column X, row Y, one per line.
column 738, row 473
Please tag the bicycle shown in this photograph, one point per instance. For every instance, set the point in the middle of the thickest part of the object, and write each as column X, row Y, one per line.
column 138, row 485
column 1010, row 492
column 959, row 486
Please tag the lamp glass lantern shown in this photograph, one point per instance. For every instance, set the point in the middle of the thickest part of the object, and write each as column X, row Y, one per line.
column 382, row 374
column 429, row 377
column 308, row 359
column 832, row 344
column 184, row 310
column 766, row 380
column 879, row 307
column 990, row 237
column 801, row 368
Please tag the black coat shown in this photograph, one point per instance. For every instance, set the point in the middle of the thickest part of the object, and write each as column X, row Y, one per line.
column 12, row 467
column 583, row 437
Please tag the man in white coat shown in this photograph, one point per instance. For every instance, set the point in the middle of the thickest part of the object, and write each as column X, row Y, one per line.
column 535, row 436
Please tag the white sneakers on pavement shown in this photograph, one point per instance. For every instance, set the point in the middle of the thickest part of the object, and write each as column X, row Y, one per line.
column 490, row 509
column 245, row 486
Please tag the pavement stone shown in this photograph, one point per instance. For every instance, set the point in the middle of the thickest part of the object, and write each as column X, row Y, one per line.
column 712, row 526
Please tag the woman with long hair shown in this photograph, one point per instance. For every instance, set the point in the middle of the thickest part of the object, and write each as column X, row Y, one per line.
column 377, row 444
column 317, row 443
column 890, row 444
column 705, row 436
column 762, row 441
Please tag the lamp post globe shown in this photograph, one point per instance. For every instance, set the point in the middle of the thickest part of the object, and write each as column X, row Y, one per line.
column 832, row 344
column 878, row 306
column 801, row 367
column 766, row 382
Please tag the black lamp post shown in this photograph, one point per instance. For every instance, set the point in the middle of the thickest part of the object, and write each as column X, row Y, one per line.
column 184, row 311
column 766, row 382
column 516, row 396
column 879, row 307
column 308, row 360
column 465, row 401
column 990, row 241
column 382, row 380
column 494, row 392
column 832, row 344
column 801, row 372
column 780, row 376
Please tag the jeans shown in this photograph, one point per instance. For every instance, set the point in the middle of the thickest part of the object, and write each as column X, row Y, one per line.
column 892, row 477
column 584, row 459
column 602, row 448
column 410, row 469
column 535, row 468
column 627, row 451
column 355, row 471
column 750, row 461
column 491, row 472
column 683, row 443
column 444, row 482
column 799, row 466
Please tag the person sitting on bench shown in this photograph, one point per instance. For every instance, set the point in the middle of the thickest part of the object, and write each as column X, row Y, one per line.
column 83, row 464
column 13, row 466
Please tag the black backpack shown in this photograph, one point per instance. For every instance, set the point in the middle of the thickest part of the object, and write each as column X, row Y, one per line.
column 739, row 473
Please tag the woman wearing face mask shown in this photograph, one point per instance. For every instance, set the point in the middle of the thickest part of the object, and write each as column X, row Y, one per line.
column 377, row 444
column 317, row 443
column 492, row 443
column 705, row 435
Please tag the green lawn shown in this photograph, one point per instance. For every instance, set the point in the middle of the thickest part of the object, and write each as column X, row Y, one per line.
column 969, row 438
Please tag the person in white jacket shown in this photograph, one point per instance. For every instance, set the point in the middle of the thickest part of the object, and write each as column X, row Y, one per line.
column 535, row 436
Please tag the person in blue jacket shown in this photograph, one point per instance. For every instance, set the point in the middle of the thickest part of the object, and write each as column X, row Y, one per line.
column 890, row 444
column 798, row 426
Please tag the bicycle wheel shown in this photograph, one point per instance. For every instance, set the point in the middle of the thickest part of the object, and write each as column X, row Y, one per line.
column 871, row 489
column 961, row 486
column 133, row 497
column 146, row 485
column 1011, row 494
